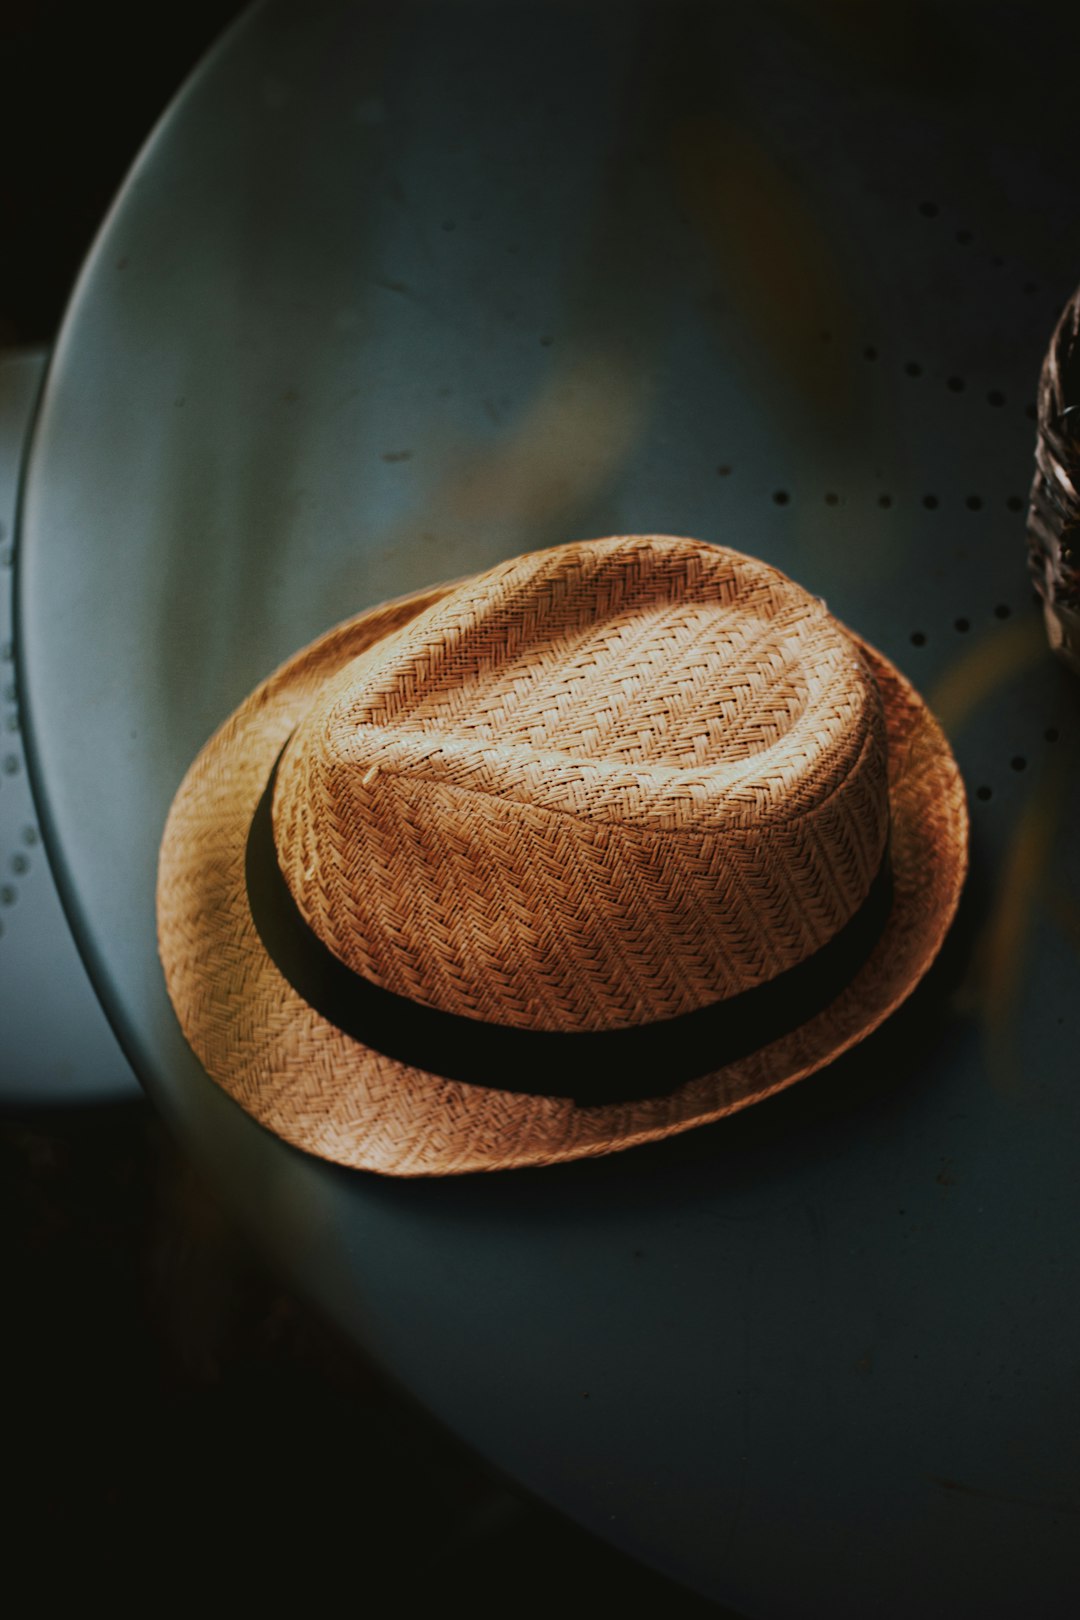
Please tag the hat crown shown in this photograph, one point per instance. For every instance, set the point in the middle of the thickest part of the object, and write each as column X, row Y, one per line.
column 597, row 786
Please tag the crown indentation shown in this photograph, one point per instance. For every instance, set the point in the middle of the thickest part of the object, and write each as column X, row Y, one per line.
column 600, row 785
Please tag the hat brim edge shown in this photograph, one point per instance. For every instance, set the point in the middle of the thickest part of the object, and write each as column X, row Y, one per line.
column 339, row 1100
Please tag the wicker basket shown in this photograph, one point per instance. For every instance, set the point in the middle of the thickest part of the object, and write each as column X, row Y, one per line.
column 1053, row 527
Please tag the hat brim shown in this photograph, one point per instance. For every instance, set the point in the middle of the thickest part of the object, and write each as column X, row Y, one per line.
column 336, row 1098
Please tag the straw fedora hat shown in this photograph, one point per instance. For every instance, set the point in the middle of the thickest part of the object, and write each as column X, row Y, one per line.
column 603, row 843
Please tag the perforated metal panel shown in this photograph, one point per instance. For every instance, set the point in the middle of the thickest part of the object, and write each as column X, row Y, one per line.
column 55, row 1043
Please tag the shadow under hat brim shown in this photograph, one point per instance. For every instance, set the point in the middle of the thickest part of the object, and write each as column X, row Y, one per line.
column 336, row 1098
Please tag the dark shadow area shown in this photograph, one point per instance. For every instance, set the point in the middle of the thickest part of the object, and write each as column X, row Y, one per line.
column 178, row 1420
column 83, row 87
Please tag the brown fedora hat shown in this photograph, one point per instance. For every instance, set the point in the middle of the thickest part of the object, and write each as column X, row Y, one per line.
column 603, row 843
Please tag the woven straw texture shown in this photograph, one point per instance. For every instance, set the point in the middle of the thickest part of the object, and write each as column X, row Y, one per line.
column 1054, row 510
column 593, row 787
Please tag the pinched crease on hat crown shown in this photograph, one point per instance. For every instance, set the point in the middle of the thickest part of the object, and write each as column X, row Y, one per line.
column 596, row 787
